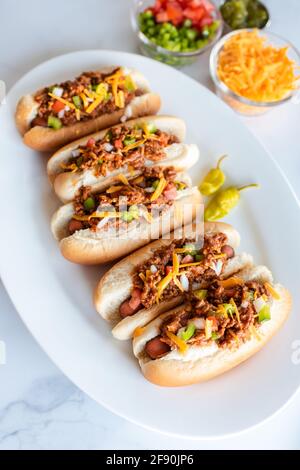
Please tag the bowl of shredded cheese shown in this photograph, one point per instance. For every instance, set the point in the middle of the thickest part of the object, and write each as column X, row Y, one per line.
column 254, row 71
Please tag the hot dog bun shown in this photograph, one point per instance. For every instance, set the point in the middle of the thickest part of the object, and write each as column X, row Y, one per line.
column 45, row 139
column 180, row 156
column 204, row 363
column 87, row 247
column 108, row 300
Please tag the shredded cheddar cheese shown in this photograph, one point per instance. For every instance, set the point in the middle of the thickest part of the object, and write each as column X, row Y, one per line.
column 236, row 310
column 134, row 145
column 84, row 100
column 256, row 70
column 187, row 265
column 231, row 282
column 121, row 99
column 123, row 179
column 272, row 291
column 255, row 333
column 138, row 331
column 71, row 167
column 95, row 104
column 178, row 283
column 163, row 284
column 175, row 264
column 143, row 277
column 182, row 346
column 114, row 189
column 159, row 190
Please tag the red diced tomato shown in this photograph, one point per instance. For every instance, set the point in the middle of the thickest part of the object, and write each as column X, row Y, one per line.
column 162, row 17
column 169, row 269
column 209, row 7
column 58, row 106
column 206, row 21
column 170, row 192
column 175, row 13
column 194, row 15
column 91, row 142
column 118, row 144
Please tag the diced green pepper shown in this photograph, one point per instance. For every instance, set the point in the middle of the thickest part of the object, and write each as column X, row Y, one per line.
column 264, row 314
column 79, row 161
column 151, row 128
column 180, row 186
column 190, row 248
column 200, row 294
column 155, row 184
column 129, row 84
column 55, row 123
column 129, row 141
column 77, row 101
column 199, row 257
column 108, row 136
column 188, row 332
column 107, row 97
column 127, row 216
column 89, row 204
column 134, row 211
column 214, row 336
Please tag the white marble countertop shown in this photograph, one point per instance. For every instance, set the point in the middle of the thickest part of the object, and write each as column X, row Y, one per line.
column 39, row 407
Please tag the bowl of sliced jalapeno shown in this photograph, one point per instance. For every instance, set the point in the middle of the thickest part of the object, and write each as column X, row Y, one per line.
column 238, row 14
column 176, row 32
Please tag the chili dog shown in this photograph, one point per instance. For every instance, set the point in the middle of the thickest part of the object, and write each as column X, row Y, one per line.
column 126, row 148
column 61, row 113
column 208, row 336
column 155, row 278
column 97, row 228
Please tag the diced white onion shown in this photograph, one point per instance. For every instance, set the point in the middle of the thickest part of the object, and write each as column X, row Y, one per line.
column 184, row 282
column 75, row 153
column 106, row 208
column 196, row 285
column 67, row 108
column 217, row 266
column 90, row 100
column 57, row 91
column 108, row 147
column 149, row 190
column 123, row 118
column 259, row 304
column 103, row 222
column 61, row 113
column 153, row 269
column 180, row 331
column 199, row 323
column 245, row 304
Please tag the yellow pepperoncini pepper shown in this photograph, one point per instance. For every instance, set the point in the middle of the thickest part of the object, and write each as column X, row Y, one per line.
column 223, row 202
column 214, row 179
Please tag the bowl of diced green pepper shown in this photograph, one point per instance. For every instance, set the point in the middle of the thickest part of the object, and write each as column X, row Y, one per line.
column 179, row 42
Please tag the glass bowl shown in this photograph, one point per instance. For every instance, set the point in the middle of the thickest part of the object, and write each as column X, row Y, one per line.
column 150, row 49
column 243, row 105
column 228, row 28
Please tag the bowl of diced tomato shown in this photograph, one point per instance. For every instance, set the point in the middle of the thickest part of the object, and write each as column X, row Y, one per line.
column 176, row 31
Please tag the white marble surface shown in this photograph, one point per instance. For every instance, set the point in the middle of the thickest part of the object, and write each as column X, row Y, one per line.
column 39, row 407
